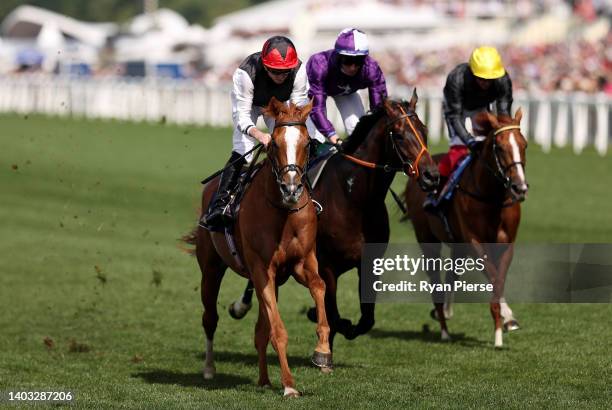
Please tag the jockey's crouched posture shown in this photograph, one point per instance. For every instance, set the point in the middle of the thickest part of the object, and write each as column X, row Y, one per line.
column 470, row 88
column 275, row 71
column 339, row 73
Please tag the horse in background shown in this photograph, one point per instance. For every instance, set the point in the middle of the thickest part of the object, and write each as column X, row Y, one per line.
column 485, row 209
column 352, row 189
column 275, row 233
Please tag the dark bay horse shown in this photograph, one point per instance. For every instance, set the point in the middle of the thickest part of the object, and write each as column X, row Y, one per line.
column 485, row 209
column 275, row 233
column 352, row 189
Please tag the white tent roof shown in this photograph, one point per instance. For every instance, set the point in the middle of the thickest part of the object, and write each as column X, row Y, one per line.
column 156, row 36
column 28, row 21
column 283, row 15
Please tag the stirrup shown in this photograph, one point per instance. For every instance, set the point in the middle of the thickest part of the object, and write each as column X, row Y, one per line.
column 431, row 204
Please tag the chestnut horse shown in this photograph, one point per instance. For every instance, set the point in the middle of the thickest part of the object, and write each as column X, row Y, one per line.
column 275, row 232
column 352, row 189
column 485, row 208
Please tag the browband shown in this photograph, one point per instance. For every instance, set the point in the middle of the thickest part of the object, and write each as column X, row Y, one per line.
column 506, row 128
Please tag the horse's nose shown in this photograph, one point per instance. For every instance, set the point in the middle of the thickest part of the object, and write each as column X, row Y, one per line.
column 291, row 188
column 520, row 190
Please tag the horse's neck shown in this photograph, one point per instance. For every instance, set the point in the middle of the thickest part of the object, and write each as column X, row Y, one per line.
column 483, row 174
column 374, row 150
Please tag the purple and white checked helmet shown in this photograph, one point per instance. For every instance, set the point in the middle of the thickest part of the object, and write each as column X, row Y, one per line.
column 352, row 42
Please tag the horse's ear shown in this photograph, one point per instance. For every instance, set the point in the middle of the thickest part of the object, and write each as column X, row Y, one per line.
column 413, row 100
column 274, row 107
column 518, row 115
column 389, row 107
column 493, row 120
column 305, row 110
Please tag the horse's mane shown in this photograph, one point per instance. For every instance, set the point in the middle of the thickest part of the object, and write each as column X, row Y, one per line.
column 362, row 130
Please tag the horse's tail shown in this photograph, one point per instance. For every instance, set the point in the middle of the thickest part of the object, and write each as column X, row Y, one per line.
column 189, row 239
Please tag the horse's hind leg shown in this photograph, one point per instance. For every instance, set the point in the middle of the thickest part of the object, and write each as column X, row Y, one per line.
column 212, row 268
column 431, row 251
column 240, row 307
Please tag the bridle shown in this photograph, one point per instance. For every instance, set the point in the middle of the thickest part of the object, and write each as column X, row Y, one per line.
column 411, row 165
column 280, row 172
column 501, row 171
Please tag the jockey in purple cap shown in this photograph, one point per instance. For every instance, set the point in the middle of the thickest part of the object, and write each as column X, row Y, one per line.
column 339, row 73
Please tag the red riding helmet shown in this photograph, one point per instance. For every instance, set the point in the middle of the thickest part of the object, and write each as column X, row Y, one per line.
column 279, row 53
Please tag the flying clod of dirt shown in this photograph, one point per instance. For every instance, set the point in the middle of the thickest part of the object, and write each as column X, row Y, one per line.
column 49, row 342
column 77, row 347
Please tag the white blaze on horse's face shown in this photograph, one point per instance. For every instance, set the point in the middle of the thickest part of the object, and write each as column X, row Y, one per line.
column 292, row 136
column 516, row 158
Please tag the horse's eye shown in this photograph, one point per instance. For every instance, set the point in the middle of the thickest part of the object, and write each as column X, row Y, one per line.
column 397, row 136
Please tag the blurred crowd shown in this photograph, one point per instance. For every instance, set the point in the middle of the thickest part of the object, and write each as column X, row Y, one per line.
column 571, row 66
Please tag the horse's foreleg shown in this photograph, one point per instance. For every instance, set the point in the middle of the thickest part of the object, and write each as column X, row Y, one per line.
column 307, row 274
column 366, row 321
column 336, row 324
column 264, row 281
column 262, row 338
column 496, row 314
column 497, row 281
column 239, row 308
column 503, row 265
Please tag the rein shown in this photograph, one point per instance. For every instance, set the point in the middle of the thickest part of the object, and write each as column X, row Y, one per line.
column 413, row 165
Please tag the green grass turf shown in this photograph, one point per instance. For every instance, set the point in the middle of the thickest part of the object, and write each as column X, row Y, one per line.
column 91, row 213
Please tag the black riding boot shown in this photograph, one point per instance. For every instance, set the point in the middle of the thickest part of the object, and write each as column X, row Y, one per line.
column 431, row 202
column 215, row 218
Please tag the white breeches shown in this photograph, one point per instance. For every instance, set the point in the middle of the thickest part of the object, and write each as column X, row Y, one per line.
column 351, row 110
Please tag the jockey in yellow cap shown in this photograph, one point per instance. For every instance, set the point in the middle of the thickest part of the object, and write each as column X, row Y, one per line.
column 471, row 88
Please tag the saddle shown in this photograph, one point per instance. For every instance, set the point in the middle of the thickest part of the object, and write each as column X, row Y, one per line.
column 244, row 181
column 317, row 163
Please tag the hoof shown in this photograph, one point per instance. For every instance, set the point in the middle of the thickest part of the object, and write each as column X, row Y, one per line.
column 311, row 314
column 291, row 392
column 327, row 370
column 209, row 372
column 434, row 315
column 511, row 325
column 238, row 310
column 445, row 337
column 264, row 384
column 322, row 359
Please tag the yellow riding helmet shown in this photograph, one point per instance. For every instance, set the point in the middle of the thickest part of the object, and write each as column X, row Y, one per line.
column 485, row 62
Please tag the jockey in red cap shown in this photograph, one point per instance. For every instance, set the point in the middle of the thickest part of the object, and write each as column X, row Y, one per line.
column 277, row 72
